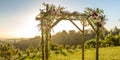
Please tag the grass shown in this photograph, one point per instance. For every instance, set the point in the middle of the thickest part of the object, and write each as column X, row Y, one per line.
column 108, row 53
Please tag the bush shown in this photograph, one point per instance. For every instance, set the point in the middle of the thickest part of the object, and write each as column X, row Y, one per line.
column 112, row 40
column 61, row 48
column 54, row 47
column 70, row 51
column 20, row 53
column 28, row 52
column 7, row 50
column 90, row 43
column 57, row 52
column 73, row 47
column 103, row 43
column 64, row 53
column 67, row 47
column 78, row 47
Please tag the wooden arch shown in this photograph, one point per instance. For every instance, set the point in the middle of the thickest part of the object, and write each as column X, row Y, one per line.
column 51, row 16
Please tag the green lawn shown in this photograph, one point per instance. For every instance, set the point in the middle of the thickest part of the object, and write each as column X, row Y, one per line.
column 108, row 53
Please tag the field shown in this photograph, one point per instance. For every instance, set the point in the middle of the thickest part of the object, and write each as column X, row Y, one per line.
column 108, row 53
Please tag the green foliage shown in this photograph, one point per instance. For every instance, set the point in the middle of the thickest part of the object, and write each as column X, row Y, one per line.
column 90, row 43
column 39, row 48
column 54, row 47
column 117, row 40
column 20, row 53
column 71, row 38
column 61, row 48
column 105, row 53
column 26, row 43
column 64, row 53
column 28, row 52
column 79, row 47
column 112, row 40
column 70, row 51
column 57, row 52
column 109, row 40
column 7, row 50
column 103, row 43
column 73, row 47
column 67, row 47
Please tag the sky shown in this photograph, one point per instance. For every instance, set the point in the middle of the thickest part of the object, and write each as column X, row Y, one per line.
column 17, row 17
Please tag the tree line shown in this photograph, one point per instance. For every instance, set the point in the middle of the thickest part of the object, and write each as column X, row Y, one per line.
column 109, row 38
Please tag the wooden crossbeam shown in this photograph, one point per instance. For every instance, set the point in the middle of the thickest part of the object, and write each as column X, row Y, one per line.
column 55, row 23
column 91, row 25
column 75, row 25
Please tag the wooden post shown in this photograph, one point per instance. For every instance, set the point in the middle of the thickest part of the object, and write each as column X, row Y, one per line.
column 97, row 44
column 42, row 40
column 46, row 44
column 83, row 36
column 46, row 37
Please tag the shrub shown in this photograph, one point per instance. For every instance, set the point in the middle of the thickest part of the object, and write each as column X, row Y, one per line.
column 112, row 40
column 78, row 47
column 70, row 51
column 57, row 52
column 61, row 48
column 73, row 47
column 64, row 53
column 28, row 52
column 54, row 47
column 20, row 53
column 67, row 47
column 90, row 43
